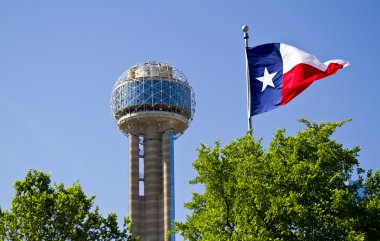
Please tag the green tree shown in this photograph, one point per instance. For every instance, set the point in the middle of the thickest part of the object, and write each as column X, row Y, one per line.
column 41, row 211
column 296, row 190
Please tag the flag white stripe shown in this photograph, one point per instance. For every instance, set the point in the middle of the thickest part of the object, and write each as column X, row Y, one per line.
column 291, row 56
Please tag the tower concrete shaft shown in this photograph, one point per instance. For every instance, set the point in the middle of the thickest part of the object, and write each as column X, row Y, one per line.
column 135, row 209
column 166, row 158
column 151, row 213
column 152, row 184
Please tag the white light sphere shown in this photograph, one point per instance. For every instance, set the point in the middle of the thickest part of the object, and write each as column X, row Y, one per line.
column 152, row 96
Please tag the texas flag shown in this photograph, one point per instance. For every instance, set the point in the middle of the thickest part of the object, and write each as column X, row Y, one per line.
column 279, row 72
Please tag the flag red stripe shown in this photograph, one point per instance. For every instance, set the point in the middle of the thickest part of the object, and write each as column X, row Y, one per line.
column 302, row 76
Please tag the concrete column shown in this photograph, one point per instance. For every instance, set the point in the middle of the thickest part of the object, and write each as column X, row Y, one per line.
column 134, row 204
column 166, row 176
column 152, row 184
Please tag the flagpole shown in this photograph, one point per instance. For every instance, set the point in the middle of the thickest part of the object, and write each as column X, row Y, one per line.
column 245, row 29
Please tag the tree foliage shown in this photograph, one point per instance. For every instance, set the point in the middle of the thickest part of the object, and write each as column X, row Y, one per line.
column 41, row 211
column 296, row 190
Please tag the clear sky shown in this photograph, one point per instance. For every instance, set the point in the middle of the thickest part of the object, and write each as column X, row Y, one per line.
column 60, row 59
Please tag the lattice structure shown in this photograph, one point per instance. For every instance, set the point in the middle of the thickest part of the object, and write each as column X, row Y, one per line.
column 152, row 95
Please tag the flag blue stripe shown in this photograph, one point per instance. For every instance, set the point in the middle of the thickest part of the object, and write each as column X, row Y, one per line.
column 261, row 57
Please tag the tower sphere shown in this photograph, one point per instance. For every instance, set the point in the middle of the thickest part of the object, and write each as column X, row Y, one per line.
column 152, row 96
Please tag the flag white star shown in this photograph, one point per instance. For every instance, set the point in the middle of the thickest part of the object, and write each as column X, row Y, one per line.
column 267, row 79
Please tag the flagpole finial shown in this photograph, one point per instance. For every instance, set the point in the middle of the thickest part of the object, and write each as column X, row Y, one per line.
column 245, row 29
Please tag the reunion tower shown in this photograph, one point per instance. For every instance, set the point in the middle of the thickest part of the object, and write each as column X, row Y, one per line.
column 153, row 104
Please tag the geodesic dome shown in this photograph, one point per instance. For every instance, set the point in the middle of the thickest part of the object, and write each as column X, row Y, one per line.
column 152, row 96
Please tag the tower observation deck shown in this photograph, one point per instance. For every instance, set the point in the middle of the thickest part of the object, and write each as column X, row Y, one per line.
column 153, row 104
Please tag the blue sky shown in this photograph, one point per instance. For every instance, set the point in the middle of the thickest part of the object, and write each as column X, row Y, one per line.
column 60, row 59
